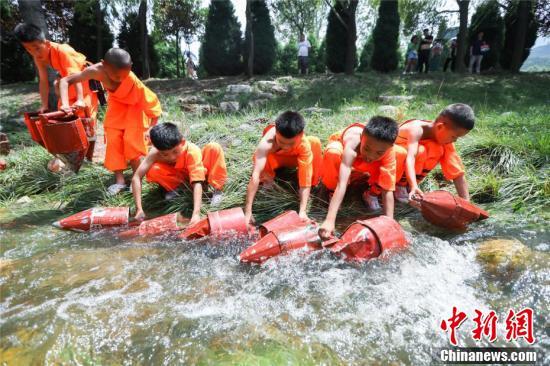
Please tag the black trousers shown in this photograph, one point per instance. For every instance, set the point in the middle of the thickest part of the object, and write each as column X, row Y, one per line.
column 423, row 60
column 449, row 60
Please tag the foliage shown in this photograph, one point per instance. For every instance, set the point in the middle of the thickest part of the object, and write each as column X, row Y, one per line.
column 221, row 49
column 487, row 19
column 264, row 38
column 166, row 56
column 316, row 56
column 385, row 37
column 419, row 14
column 292, row 17
column 335, row 39
column 287, row 59
column 510, row 22
column 366, row 55
column 129, row 39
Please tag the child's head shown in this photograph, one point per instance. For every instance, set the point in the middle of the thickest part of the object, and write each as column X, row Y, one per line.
column 414, row 39
column 166, row 138
column 289, row 128
column 378, row 136
column 33, row 39
column 118, row 64
column 455, row 121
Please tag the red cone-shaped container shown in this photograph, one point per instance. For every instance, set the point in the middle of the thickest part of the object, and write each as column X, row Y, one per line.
column 95, row 218
column 157, row 226
column 219, row 223
column 30, row 121
column 64, row 136
column 366, row 239
column 282, row 241
column 284, row 220
column 443, row 209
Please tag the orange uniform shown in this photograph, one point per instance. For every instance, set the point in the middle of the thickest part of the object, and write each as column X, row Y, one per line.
column 430, row 153
column 192, row 165
column 129, row 110
column 380, row 174
column 307, row 156
column 66, row 61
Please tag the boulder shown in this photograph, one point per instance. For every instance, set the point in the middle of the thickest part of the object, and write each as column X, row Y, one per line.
column 279, row 89
column 396, row 98
column 199, row 109
column 229, row 107
column 266, row 85
column 192, row 99
column 312, row 110
column 239, row 89
column 503, row 256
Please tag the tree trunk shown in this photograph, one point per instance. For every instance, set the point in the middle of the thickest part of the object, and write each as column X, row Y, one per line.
column 460, row 66
column 351, row 51
column 250, row 32
column 177, row 56
column 142, row 16
column 519, row 40
column 32, row 13
column 99, row 31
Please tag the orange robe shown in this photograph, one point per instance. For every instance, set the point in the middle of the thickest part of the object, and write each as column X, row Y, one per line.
column 66, row 61
column 192, row 165
column 430, row 153
column 307, row 156
column 129, row 110
column 380, row 174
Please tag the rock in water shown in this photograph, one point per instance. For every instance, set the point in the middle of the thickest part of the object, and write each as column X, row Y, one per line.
column 239, row 89
column 228, row 107
column 504, row 256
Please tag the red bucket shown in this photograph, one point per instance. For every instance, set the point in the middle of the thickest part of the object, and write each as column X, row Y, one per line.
column 282, row 241
column 218, row 223
column 443, row 209
column 30, row 121
column 366, row 239
column 284, row 220
column 95, row 218
column 157, row 226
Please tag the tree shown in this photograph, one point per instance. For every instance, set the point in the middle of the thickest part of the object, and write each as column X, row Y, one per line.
column 419, row 14
column 221, row 49
column 512, row 25
column 32, row 13
column 462, row 35
column 260, row 45
column 542, row 14
column 129, row 39
column 487, row 19
column 293, row 18
column 385, row 37
column 341, row 37
column 442, row 29
column 143, row 36
column 177, row 19
column 89, row 33
column 286, row 58
column 366, row 55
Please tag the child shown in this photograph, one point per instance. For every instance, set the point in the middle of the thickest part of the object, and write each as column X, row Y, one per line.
column 361, row 152
column 411, row 56
column 131, row 109
column 172, row 161
column 431, row 142
column 285, row 145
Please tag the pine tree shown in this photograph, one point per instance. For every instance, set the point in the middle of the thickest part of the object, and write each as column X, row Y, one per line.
column 87, row 27
column 321, row 63
column 487, row 19
column 510, row 21
column 221, row 50
column 264, row 38
column 336, row 40
column 287, row 59
column 366, row 55
column 385, row 57
column 129, row 39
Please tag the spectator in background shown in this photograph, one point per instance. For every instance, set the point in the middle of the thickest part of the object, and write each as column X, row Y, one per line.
column 451, row 56
column 476, row 54
column 303, row 54
column 437, row 51
column 411, row 56
column 424, row 51
column 190, row 66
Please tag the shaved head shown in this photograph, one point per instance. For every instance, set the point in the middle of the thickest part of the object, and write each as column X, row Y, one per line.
column 118, row 58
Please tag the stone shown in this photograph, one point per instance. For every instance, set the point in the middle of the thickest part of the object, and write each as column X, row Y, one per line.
column 231, row 97
column 192, row 99
column 503, row 256
column 25, row 200
column 354, row 109
column 239, row 89
column 312, row 110
column 198, row 108
column 197, row 126
column 257, row 103
column 228, row 107
column 396, row 98
column 284, row 79
column 279, row 89
column 264, row 96
column 388, row 111
column 266, row 85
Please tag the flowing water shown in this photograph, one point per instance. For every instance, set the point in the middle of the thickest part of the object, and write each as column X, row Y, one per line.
column 91, row 299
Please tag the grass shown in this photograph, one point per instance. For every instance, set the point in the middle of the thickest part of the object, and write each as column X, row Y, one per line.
column 507, row 155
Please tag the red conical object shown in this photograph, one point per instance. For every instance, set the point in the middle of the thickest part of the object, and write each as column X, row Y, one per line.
column 443, row 209
column 95, row 218
column 30, row 121
column 284, row 220
column 366, row 239
column 157, row 226
column 282, row 241
column 3, row 164
column 64, row 136
column 219, row 223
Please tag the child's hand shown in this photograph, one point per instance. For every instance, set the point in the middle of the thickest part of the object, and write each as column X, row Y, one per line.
column 415, row 194
column 194, row 219
column 66, row 109
column 249, row 219
column 140, row 215
column 326, row 230
column 304, row 217
column 43, row 109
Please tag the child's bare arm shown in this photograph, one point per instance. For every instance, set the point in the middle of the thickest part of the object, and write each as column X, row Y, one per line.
column 197, row 202
column 43, row 86
column 461, row 185
column 136, row 182
column 259, row 165
column 87, row 74
column 414, row 136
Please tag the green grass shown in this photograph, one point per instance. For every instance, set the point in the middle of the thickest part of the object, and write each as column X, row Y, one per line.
column 506, row 155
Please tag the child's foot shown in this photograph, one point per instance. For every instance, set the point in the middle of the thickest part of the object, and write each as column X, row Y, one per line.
column 401, row 194
column 115, row 189
column 371, row 202
column 170, row 195
column 217, row 198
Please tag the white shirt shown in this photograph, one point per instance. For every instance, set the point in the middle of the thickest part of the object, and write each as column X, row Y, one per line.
column 303, row 48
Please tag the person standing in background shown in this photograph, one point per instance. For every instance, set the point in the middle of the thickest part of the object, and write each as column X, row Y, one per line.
column 424, row 51
column 411, row 56
column 451, row 57
column 476, row 54
column 437, row 50
column 303, row 54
